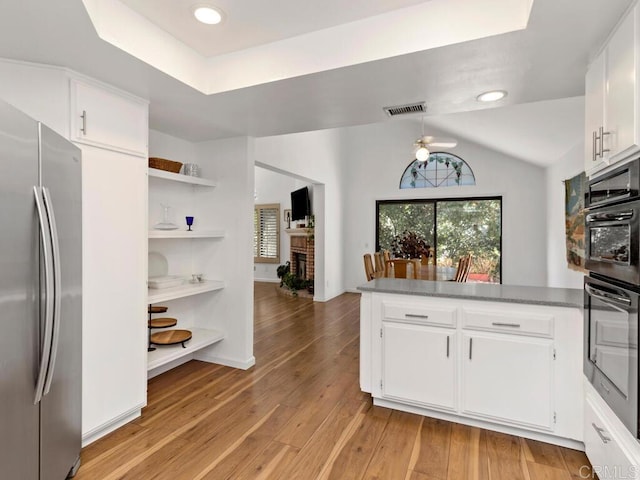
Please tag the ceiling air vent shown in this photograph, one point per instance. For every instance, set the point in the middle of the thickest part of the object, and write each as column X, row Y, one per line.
column 396, row 110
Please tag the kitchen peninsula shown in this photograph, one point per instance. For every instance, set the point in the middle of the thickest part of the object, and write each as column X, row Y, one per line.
column 505, row 358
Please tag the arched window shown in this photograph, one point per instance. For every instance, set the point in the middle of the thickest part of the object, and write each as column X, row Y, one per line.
column 439, row 170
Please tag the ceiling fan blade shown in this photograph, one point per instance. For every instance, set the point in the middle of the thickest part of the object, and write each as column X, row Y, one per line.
column 439, row 141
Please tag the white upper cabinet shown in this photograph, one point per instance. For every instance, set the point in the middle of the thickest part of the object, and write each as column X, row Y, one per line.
column 612, row 100
column 108, row 119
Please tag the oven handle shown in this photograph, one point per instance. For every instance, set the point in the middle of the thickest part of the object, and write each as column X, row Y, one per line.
column 604, row 296
column 609, row 217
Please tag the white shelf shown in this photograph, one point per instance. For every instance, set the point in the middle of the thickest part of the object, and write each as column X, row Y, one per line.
column 177, row 177
column 164, row 354
column 156, row 295
column 186, row 234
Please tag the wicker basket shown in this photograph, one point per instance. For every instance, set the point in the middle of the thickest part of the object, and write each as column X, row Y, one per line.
column 164, row 164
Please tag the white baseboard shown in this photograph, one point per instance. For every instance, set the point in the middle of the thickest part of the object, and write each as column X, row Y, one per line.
column 168, row 366
column 227, row 362
column 108, row 427
column 267, row 280
column 521, row 432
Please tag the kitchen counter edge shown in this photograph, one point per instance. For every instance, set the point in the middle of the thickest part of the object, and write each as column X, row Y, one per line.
column 555, row 297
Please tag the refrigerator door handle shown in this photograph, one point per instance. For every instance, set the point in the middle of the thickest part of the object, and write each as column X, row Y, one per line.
column 45, row 350
column 57, row 287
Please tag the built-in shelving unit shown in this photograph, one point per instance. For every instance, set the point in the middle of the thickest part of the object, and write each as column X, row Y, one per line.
column 165, row 354
column 203, row 333
column 186, row 234
column 186, row 290
column 177, row 177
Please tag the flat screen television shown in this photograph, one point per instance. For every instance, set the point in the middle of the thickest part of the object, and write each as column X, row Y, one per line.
column 300, row 204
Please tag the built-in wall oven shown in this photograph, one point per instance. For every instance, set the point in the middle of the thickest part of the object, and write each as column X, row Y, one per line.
column 612, row 290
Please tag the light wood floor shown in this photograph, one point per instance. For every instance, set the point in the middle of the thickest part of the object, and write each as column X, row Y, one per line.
column 299, row 415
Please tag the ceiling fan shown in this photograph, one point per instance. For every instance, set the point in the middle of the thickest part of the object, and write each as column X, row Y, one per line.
column 422, row 151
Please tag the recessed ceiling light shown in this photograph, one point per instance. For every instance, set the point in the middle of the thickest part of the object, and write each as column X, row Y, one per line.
column 207, row 14
column 491, row 96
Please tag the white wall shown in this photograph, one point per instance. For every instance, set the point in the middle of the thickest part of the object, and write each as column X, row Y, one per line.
column 272, row 187
column 376, row 156
column 558, row 274
column 318, row 157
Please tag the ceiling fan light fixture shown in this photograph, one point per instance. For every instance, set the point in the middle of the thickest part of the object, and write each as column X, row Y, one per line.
column 491, row 96
column 422, row 153
column 207, row 14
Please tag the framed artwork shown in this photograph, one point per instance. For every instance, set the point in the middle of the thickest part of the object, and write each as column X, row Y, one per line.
column 574, row 221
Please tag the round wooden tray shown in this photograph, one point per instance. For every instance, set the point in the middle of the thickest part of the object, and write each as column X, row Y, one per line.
column 164, row 322
column 171, row 337
column 158, row 309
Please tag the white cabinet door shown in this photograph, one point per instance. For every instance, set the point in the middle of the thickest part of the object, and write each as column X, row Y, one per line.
column 594, row 115
column 106, row 119
column 418, row 364
column 620, row 93
column 114, row 204
column 508, row 378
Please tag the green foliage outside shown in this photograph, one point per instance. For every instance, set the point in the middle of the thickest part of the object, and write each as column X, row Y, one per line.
column 463, row 227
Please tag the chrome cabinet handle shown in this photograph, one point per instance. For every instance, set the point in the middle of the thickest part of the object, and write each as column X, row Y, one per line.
column 447, row 346
column 415, row 315
column 600, row 432
column 602, row 149
column 84, row 122
column 503, row 324
column 594, row 147
column 45, row 349
column 57, row 293
column 470, row 348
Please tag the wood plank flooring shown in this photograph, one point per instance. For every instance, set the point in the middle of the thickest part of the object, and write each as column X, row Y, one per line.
column 299, row 414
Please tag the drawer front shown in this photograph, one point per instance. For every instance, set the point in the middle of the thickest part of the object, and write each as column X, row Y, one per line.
column 603, row 448
column 517, row 323
column 419, row 313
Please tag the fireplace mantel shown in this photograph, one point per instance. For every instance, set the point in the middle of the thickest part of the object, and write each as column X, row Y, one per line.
column 299, row 232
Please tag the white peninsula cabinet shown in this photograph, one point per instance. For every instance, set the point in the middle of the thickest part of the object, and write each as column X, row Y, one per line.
column 508, row 367
column 186, row 253
column 612, row 98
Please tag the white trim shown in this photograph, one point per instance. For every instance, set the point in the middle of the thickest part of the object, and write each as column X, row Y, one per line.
column 267, row 280
column 113, row 424
column 154, row 372
column 227, row 362
column 540, row 436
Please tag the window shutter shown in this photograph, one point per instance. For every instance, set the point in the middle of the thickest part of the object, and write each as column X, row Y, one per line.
column 266, row 239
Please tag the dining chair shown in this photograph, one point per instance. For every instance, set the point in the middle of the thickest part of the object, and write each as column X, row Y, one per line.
column 368, row 267
column 464, row 265
column 402, row 268
column 430, row 257
column 379, row 263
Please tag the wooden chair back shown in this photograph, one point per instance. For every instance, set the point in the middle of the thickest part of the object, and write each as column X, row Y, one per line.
column 368, row 267
column 430, row 257
column 379, row 264
column 464, row 265
column 402, row 268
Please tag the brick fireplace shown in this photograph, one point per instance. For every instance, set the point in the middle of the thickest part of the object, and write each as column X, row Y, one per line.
column 302, row 256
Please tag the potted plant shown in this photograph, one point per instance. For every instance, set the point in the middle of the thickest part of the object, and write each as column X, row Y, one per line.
column 409, row 245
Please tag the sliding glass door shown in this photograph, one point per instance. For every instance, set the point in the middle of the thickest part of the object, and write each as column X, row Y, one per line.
column 454, row 227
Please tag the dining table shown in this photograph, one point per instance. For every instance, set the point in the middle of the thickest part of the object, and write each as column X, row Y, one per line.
column 404, row 268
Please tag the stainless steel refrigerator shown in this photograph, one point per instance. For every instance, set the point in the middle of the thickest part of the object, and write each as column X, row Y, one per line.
column 40, row 300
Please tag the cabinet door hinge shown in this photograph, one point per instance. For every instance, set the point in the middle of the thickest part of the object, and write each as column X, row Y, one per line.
column 380, row 384
column 554, row 417
column 554, row 353
column 380, row 333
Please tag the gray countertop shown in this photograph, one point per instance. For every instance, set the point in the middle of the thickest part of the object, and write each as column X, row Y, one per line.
column 557, row 297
